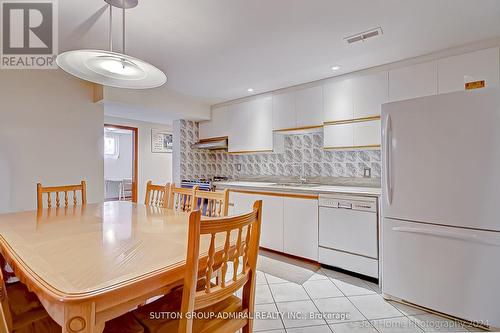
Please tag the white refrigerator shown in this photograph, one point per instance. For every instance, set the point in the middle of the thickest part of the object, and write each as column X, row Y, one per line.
column 441, row 203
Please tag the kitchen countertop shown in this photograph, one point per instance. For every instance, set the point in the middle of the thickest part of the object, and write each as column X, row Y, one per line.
column 308, row 188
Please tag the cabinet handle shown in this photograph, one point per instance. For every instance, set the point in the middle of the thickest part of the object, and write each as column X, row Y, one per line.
column 388, row 159
column 446, row 234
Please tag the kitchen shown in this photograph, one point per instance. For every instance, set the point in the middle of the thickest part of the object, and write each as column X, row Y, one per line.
column 346, row 150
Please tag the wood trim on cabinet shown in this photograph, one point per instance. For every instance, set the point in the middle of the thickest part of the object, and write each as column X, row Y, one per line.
column 298, row 128
column 279, row 194
column 135, row 156
column 219, row 138
column 251, row 151
column 349, row 121
column 352, row 147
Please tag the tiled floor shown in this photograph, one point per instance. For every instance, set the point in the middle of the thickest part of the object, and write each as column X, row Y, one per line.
column 352, row 305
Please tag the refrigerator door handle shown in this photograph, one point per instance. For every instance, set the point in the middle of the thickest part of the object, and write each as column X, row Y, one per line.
column 388, row 158
column 446, row 234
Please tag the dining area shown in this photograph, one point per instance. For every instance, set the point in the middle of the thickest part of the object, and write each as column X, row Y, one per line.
column 173, row 263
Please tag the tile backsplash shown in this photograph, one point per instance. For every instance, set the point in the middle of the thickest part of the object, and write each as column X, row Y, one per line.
column 303, row 156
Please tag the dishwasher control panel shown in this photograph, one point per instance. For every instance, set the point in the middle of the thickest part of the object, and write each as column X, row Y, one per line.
column 367, row 204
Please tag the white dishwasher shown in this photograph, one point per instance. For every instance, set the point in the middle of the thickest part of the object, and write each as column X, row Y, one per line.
column 348, row 233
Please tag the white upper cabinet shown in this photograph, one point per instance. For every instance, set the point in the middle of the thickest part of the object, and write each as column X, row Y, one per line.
column 369, row 92
column 367, row 133
column 284, row 116
column 454, row 72
column 219, row 124
column 309, row 106
column 338, row 100
column 338, row 135
column 251, row 128
column 413, row 81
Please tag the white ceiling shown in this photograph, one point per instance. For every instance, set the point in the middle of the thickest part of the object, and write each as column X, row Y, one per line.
column 216, row 49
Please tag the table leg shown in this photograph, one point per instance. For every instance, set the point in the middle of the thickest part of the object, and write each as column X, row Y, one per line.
column 80, row 318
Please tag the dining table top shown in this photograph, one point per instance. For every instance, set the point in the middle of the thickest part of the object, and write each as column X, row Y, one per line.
column 85, row 250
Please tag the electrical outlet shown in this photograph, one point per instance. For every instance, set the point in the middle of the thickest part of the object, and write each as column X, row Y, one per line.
column 238, row 167
column 367, row 173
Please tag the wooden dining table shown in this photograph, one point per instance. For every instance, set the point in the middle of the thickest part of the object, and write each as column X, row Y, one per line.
column 89, row 264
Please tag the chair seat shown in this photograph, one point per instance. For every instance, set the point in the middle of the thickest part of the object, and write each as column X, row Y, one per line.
column 154, row 316
column 28, row 314
column 124, row 324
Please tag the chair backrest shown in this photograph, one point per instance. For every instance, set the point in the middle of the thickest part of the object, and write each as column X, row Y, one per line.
column 241, row 247
column 5, row 314
column 157, row 195
column 182, row 199
column 66, row 189
column 212, row 204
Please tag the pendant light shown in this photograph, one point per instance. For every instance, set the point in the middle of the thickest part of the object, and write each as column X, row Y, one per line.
column 111, row 68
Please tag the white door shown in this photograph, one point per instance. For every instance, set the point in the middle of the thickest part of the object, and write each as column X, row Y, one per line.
column 369, row 93
column 284, row 111
column 441, row 159
column 337, row 100
column 338, row 135
column 455, row 71
column 413, row 81
column 301, row 227
column 309, row 106
column 367, row 133
column 451, row 270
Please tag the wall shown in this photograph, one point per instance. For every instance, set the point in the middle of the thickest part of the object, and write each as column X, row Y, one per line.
column 50, row 132
column 303, row 155
column 156, row 167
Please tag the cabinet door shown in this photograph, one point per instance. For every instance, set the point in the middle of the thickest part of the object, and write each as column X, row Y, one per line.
column 369, row 93
column 206, row 129
column 455, row 71
column 413, row 81
column 301, row 227
column 284, row 111
column 219, row 124
column 309, row 106
column 271, row 235
column 338, row 136
column 337, row 100
column 251, row 126
column 367, row 133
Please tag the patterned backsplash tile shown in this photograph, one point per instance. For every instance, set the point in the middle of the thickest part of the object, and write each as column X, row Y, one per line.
column 303, row 156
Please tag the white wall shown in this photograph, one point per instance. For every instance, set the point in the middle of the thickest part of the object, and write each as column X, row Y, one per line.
column 156, row 167
column 50, row 132
column 121, row 167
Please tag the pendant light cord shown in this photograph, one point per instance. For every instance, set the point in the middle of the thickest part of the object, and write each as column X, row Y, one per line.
column 123, row 19
column 110, row 36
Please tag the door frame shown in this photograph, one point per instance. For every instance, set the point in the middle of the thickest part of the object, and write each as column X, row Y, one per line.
column 135, row 155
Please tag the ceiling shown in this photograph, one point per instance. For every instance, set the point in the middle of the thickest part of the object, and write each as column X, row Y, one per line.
column 215, row 50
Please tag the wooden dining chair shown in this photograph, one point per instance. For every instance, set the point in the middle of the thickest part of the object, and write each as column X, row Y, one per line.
column 157, row 195
column 66, row 189
column 212, row 204
column 21, row 311
column 182, row 199
column 240, row 248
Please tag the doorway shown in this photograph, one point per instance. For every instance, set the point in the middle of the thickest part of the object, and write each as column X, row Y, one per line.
column 120, row 163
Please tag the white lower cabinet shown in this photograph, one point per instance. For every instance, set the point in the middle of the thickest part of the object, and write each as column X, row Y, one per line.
column 301, row 227
column 289, row 225
column 271, row 234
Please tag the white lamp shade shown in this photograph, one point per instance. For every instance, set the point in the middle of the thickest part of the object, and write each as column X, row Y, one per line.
column 111, row 69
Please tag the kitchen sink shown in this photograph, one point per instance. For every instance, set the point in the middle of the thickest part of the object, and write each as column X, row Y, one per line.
column 295, row 185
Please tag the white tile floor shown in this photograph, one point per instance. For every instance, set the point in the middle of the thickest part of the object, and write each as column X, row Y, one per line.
column 356, row 303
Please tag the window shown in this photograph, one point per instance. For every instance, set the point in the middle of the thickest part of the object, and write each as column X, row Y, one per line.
column 111, row 146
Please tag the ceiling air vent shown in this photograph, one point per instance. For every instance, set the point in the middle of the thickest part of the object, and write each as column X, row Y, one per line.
column 364, row 35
